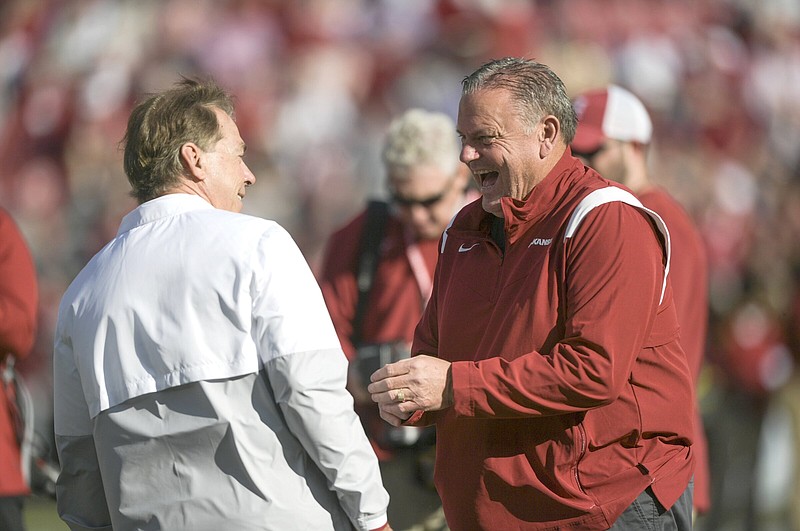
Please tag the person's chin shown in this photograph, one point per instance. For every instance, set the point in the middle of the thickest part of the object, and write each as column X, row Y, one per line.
column 428, row 233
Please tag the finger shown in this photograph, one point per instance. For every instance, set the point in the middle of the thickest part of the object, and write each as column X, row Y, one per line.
column 379, row 375
column 390, row 417
column 392, row 414
column 390, row 396
column 375, row 388
column 402, row 410
column 399, row 395
column 390, row 376
column 381, row 398
column 390, row 370
column 386, row 385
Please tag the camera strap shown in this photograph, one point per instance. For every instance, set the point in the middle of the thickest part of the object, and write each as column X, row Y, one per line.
column 369, row 247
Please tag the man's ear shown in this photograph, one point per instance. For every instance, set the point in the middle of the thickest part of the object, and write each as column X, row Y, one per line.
column 548, row 135
column 192, row 160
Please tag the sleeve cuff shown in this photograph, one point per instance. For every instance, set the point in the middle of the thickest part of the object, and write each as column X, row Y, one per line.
column 414, row 418
column 378, row 523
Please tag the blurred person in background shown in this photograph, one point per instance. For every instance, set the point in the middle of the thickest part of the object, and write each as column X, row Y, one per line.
column 613, row 137
column 427, row 185
column 198, row 379
column 18, row 323
column 548, row 356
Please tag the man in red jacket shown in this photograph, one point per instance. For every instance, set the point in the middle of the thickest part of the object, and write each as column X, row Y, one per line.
column 613, row 136
column 18, row 302
column 548, row 357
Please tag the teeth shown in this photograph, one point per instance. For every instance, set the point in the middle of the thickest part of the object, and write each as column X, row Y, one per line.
column 481, row 175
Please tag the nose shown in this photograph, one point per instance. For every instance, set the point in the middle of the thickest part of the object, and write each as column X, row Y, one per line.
column 468, row 154
column 419, row 217
column 419, row 213
column 249, row 176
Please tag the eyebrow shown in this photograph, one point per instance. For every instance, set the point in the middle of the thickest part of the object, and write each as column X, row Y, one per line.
column 481, row 131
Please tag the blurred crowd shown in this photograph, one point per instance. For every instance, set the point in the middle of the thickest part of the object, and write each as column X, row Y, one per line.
column 317, row 82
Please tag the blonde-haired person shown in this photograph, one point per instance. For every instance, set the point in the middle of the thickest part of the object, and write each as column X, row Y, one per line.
column 426, row 186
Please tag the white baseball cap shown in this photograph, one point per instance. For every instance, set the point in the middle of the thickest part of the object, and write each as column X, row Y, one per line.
column 610, row 112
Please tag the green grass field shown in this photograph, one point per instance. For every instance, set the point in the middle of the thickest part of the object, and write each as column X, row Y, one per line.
column 40, row 515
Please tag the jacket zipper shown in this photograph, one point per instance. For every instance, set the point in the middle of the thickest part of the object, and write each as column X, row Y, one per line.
column 582, row 442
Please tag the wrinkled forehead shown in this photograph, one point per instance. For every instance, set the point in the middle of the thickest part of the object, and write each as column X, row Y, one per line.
column 487, row 110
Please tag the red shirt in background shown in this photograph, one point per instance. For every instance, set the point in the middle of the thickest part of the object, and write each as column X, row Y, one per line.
column 18, row 304
column 689, row 272
column 394, row 305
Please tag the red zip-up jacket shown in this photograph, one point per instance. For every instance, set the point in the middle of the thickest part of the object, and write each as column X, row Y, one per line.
column 571, row 392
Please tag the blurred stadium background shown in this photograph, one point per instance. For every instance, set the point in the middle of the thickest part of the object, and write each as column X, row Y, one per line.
column 317, row 82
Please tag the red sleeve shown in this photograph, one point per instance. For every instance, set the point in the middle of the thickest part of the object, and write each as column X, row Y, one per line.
column 18, row 291
column 688, row 273
column 689, row 278
column 614, row 275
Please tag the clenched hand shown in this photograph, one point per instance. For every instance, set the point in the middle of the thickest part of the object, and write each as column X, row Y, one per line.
column 421, row 383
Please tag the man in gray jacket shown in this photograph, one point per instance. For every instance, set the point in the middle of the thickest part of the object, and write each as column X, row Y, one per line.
column 199, row 382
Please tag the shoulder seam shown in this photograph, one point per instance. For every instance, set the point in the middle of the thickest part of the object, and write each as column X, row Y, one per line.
column 610, row 194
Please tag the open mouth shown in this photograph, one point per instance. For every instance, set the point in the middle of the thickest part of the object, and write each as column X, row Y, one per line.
column 487, row 179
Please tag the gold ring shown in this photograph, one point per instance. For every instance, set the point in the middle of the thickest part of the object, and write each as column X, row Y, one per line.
column 400, row 397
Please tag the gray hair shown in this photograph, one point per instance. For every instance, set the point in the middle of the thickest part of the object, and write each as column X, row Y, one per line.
column 534, row 88
column 420, row 137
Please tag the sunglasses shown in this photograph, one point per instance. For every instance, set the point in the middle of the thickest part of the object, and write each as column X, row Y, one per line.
column 427, row 202
column 590, row 154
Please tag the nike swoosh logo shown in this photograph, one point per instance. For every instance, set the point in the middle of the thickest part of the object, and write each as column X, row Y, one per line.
column 463, row 249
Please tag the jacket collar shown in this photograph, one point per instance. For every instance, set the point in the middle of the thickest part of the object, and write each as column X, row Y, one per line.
column 520, row 214
column 161, row 207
